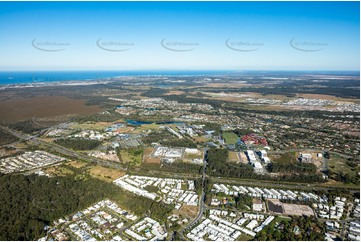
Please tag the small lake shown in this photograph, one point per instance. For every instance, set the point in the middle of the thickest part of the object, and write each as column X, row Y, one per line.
column 138, row 123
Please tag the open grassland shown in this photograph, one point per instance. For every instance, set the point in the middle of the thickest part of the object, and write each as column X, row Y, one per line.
column 105, row 174
column 284, row 158
column 83, row 169
column 189, row 156
column 76, row 164
column 43, row 107
column 125, row 129
column 146, row 127
column 200, row 139
column 244, row 237
column 58, row 171
column 228, row 84
column 339, row 165
column 241, row 97
column 7, row 152
column 233, row 156
column 91, row 125
column 326, row 97
column 129, row 157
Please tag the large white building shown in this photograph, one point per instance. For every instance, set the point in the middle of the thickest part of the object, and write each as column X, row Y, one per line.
column 258, row 168
column 251, row 156
column 306, row 158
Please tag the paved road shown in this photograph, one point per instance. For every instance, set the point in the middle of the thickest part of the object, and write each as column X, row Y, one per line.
column 201, row 204
column 281, row 185
column 62, row 150
column 33, row 139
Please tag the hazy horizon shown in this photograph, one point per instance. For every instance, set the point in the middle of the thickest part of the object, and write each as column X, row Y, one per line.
column 180, row 35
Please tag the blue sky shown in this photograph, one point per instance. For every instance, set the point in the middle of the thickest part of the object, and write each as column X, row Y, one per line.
column 261, row 35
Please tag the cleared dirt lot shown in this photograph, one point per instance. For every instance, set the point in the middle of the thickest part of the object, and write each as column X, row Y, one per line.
column 188, row 211
column 148, row 158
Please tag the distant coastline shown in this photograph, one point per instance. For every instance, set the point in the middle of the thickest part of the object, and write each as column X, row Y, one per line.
column 23, row 79
column 37, row 77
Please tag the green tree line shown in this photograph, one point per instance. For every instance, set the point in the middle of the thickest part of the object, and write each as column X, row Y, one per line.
column 78, row 144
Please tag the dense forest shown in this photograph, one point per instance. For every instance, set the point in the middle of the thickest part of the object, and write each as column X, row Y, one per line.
column 292, row 167
column 27, row 126
column 6, row 138
column 78, row 144
column 167, row 139
column 179, row 143
column 157, row 136
column 218, row 165
column 243, row 201
column 28, row 203
column 212, row 126
column 309, row 229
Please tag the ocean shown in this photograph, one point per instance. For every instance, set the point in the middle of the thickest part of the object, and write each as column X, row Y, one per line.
column 22, row 77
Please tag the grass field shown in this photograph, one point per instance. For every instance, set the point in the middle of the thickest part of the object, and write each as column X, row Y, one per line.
column 105, row 174
column 284, row 158
column 92, row 125
column 130, row 158
column 76, row 164
column 244, row 237
column 338, row 164
column 200, row 139
column 230, row 137
column 279, row 219
column 233, row 156
column 58, row 171
column 193, row 156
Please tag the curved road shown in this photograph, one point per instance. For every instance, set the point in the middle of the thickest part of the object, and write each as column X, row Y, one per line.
column 201, row 204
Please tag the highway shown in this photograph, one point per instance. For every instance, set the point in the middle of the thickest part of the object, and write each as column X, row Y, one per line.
column 33, row 139
column 68, row 152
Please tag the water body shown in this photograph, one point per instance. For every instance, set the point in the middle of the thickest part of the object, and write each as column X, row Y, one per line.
column 22, row 77
column 138, row 123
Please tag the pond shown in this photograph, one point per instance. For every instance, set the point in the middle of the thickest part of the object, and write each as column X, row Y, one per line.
column 138, row 123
